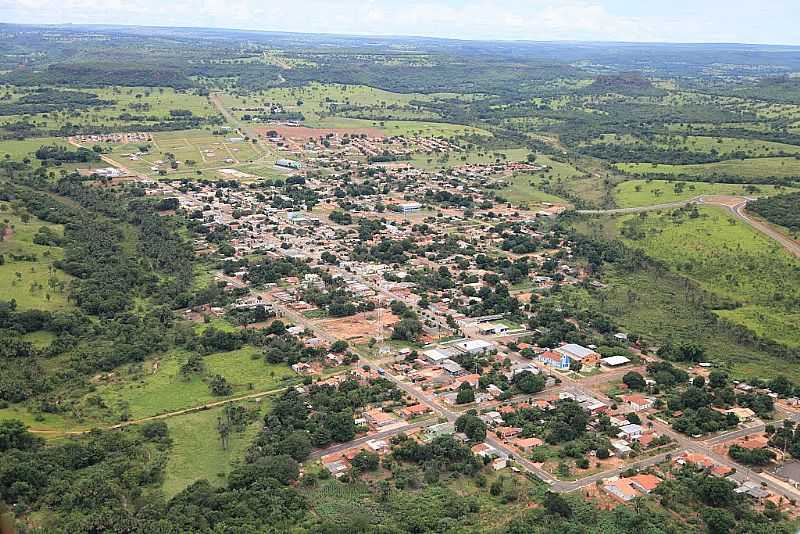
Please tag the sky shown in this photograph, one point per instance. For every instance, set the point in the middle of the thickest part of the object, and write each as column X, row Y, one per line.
column 733, row 21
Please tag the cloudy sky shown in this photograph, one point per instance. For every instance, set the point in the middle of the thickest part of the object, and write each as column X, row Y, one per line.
column 743, row 21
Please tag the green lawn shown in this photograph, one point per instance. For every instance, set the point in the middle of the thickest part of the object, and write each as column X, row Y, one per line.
column 197, row 451
column 166, row 391
column 29, row 282
column 746, row 168
column 636, row 193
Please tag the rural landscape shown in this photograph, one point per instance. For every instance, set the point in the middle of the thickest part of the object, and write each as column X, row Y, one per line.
column 264, row 282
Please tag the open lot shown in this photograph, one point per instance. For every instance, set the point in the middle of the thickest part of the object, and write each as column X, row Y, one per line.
column 199, row 153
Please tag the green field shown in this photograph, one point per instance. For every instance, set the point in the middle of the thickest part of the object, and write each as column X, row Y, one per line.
column 472, row 157
column 146, row 394
column 753, row 148
column 746, row 168
column 525, row 189
column 730, row 259
column 391, row 112
column 635, row 193
column 154, row 104
column 29, row 282
column 197, row 451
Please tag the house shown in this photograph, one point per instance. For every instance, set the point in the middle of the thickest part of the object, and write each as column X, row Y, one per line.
column 527, row 444
column 645, row 482
column 475, row 346
column 377, row 418
column 414, row 411
column 409, row 207
column 554, row 359
column 472, row 380
column 705, row 462
column 492, row 418
column 621, row 488
column 579, row 353
column 337, row 468
column 483, row 450
column 289, row 164
column 638, row 403
column 452, row 368
column 630, row 432
column 378, row 446
column 499, row 463
column 492, row 328
column 507, row 432
column 621, row 449
column 437, row 355
column 441, row 429
column 302, row 368
column 494, row 391
column 753, row 490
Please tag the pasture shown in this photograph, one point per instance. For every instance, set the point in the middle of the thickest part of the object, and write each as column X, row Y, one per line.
column 28, row 274
column 197, row 452
column 729, row 259
column 150, row 392
column 753, row 169
column 635, row 193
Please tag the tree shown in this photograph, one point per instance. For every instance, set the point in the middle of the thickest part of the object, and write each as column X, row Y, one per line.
column 339, row 346
column 557, row 505
column 408, row 329
column 575, row 365
column 465, row 394
column 634, row 381
column 718, row 521
column 365, row 461
column 472, row 426
column 14, row 435
column 528, row 383
column 717, row 379
column 219, row 386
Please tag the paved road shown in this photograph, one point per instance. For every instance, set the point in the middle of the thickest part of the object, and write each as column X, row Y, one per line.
column 341, row 447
